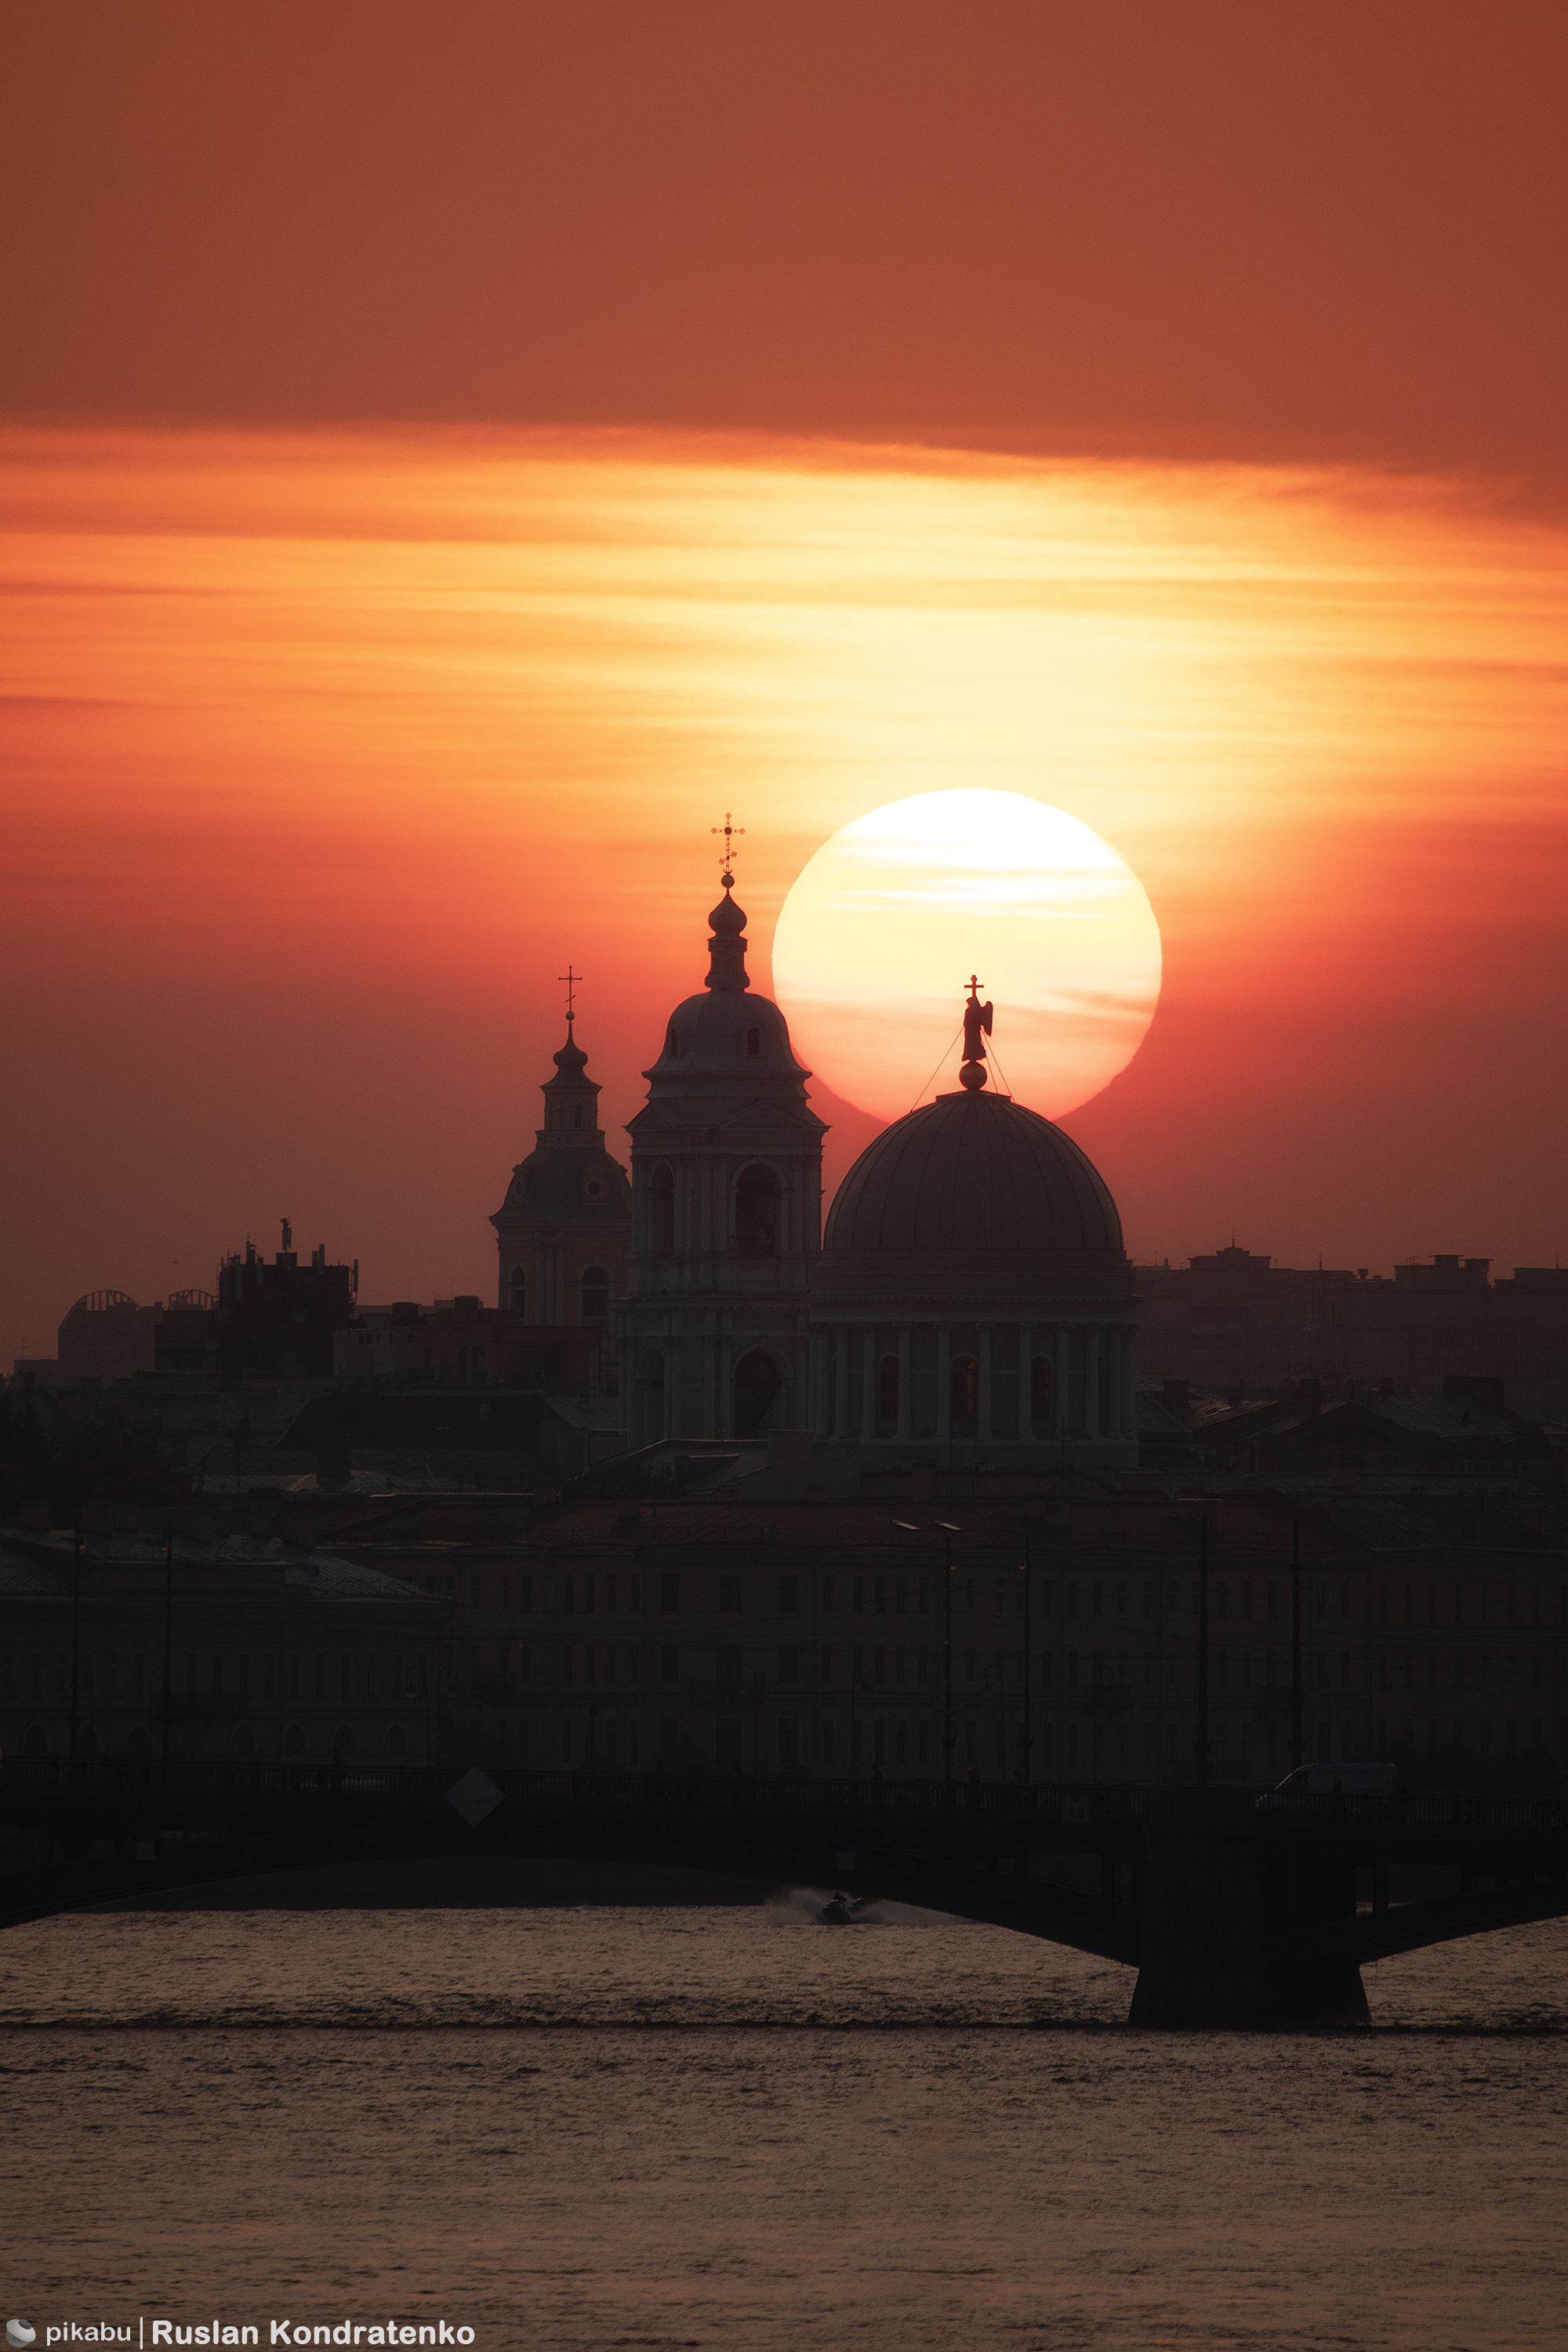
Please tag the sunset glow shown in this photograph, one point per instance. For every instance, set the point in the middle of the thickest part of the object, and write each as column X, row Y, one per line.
column 325, row 753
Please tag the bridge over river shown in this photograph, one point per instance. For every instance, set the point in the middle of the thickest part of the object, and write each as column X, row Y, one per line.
column 1231, row 1912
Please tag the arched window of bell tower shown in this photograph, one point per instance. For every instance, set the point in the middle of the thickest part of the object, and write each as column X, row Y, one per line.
column 594, row 1295
column 757, row 1213
column 661, row 1212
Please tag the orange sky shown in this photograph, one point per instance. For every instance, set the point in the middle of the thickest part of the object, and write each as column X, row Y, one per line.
column 326, row 751
column 453, row 455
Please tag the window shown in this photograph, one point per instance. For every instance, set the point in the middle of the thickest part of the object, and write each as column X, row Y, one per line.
column 594, row 1295
column 964, row 1396
column 827, row 1596
column 753, row 1052
column 789, row 1592
column 789, row 1663
column 669, row 1593
column 756, row 1212
column 730, row 1592
column 1042, row 1397
column 668, row 1663
column 756, row 1390
column 887, row 1394
column 826, row 1664
column 345, row 1676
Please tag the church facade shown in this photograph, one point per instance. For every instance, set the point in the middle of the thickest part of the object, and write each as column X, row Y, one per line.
column 970, row 1300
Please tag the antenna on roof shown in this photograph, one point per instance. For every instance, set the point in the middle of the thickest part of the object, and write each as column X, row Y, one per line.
column 288, row 1234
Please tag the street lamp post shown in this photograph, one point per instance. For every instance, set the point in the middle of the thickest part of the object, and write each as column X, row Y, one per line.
column 1297, row 1733
column 947, row 1658
column 75, row 1637
column 1029, row 1686
column 168, row 1636
column 1202, row 1758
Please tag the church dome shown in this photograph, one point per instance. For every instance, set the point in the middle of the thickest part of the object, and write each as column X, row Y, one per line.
column 975, row 1179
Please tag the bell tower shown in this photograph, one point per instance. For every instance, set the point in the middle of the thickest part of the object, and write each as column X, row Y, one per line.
column 562, row 1230
column 726, row 1216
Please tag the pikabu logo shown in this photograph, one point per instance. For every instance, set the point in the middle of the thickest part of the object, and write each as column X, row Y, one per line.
column 17, row 2332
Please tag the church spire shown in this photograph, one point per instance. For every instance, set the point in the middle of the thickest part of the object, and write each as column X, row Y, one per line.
column 726, row 949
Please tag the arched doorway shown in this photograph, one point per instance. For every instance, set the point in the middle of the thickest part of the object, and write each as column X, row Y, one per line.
column 756, row 1393
column 394, row 1743
column 294, row 1741
column 243, row 1744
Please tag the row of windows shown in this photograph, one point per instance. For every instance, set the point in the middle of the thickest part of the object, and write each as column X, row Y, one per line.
column 113, row 1675
column 876, row 1666
column 901, row 1742
column 896, row 1596
column 1475, row 1672
column 1476, row 1604
column 1073, row 1597
column 592, row 1293
column 194, row 1742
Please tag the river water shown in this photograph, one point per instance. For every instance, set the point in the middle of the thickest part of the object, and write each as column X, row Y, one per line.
column 653, row 2112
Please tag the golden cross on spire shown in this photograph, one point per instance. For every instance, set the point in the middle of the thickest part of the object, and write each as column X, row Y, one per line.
column 571, row 979
column 731, row 834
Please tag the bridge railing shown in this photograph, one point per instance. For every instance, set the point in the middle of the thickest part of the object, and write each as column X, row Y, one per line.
column 285, row 1782
column 1411, row 1809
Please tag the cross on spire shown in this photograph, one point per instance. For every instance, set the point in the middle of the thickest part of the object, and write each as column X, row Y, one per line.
column 571, row 979
column 731, row 834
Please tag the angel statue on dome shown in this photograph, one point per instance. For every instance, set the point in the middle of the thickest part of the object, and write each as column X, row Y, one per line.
column 977, row 1023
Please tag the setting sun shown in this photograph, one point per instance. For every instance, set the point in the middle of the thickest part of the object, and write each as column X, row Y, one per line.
column 878, row 934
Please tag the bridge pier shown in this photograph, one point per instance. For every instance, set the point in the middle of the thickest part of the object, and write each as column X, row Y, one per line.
column 1235, row 1935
